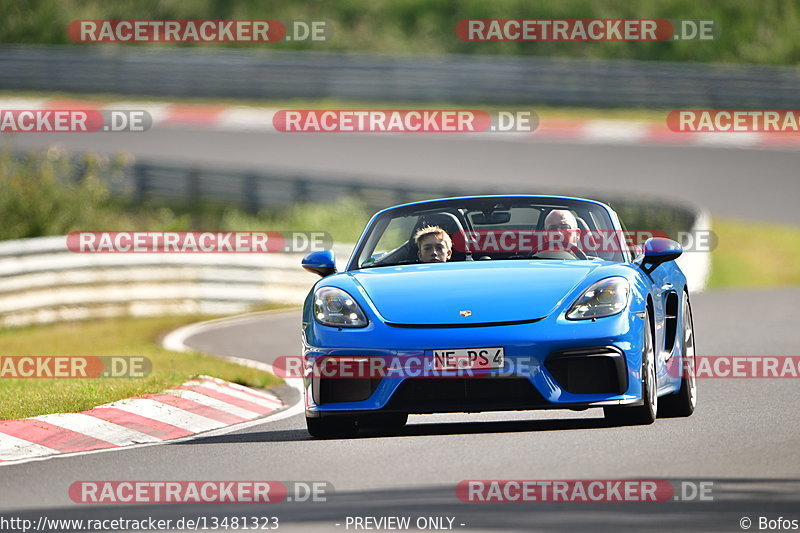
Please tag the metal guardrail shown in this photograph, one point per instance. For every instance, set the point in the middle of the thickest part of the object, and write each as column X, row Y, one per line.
column 255, row 190
column 41, row 281
column 471, row 79
column 250, row 190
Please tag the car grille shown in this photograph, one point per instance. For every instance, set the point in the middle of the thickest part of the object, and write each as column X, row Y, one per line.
column 431, row 395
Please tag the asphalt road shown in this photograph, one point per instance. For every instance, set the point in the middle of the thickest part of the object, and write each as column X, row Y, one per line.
column 755, row 184
column 744, row 436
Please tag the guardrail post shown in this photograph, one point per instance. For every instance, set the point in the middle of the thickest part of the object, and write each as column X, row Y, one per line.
column 193, row 186
column 356, row 191
column 141, row 181
column 401, row 196
column 79, row 167
column 301, row 190
column 250, row 199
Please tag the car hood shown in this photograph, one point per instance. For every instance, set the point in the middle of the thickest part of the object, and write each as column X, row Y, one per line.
column 487, row 292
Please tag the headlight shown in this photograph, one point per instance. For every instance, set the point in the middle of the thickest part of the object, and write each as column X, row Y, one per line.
column 334, row 307
column 605, row 298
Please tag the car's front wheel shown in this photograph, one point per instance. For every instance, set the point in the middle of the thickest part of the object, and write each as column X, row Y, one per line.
column 331, row 427
column 684, row 401
column 648, row 411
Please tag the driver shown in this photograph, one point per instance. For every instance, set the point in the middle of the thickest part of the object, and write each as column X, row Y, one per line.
column 434, row 245
column 565, row 223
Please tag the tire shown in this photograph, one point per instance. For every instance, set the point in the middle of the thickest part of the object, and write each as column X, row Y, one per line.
column 683, row 402
column 331, row 426
column 383, row 421
column 647, row 412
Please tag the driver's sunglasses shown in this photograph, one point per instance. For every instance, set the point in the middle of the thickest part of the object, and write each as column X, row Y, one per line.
column 556, row 227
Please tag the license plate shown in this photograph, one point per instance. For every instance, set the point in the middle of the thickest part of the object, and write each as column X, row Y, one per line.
column 468, row 359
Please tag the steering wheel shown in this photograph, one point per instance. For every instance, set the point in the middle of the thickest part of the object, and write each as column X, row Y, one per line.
column 571, row 249
column 577, row 252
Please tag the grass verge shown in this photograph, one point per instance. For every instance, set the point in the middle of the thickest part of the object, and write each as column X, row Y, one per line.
column 20, row 398
column 755, row 254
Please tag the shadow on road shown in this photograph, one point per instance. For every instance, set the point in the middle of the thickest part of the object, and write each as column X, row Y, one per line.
column 416, row 430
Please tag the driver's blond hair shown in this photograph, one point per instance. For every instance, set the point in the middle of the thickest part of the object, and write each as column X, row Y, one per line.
column 433, row 230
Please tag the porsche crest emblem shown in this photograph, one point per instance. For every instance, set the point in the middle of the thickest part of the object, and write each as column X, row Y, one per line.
column 465, row 313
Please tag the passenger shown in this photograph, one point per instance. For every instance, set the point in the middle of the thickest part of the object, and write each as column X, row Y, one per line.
column 565, row 223
column 434, row 245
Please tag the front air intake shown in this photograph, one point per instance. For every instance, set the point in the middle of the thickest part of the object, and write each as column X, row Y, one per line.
column 600, row 370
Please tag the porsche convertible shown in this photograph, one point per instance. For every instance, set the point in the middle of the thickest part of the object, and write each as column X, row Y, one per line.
column 517, row 313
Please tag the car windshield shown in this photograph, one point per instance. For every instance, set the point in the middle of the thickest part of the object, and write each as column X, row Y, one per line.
column 491, row 229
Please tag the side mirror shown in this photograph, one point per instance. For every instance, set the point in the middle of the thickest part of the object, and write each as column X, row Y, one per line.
column 658, row 250
column 322, row 262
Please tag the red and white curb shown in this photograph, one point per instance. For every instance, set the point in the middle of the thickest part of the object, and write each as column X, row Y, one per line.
column 197, row 406
column 592, row 131
column 605, row 131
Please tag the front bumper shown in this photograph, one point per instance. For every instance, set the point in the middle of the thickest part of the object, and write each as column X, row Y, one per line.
column 550, row 364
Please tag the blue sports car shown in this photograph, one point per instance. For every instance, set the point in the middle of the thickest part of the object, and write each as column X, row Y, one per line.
column 496, row 303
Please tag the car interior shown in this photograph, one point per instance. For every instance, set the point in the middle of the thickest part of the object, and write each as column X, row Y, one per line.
column 454, row 221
